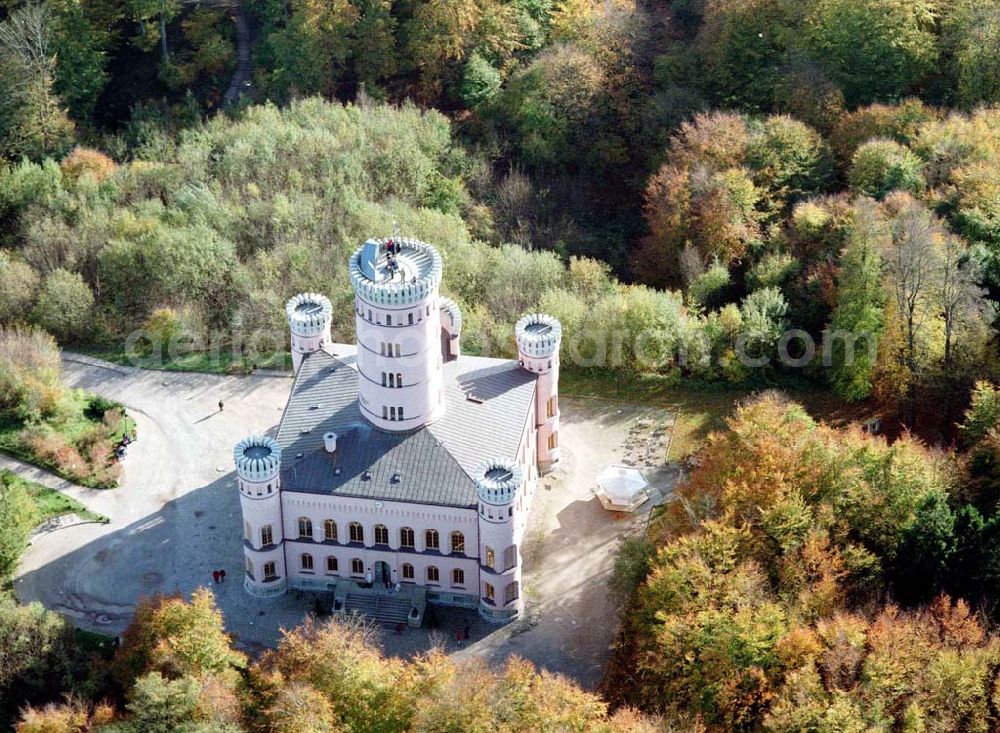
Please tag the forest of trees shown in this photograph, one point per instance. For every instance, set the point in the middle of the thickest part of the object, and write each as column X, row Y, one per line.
column 816, row 579
column 734, row 193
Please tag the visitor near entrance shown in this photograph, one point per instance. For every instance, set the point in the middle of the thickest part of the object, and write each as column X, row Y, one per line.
column 399, row 462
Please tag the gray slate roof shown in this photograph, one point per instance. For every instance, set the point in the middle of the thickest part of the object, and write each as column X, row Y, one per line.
column 432, row 465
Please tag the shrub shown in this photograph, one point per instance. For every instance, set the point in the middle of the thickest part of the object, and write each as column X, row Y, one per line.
column 86, row 161
column 64, row 305
column 18, row 285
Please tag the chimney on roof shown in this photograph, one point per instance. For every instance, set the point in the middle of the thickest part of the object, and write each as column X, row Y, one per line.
column 330, row 441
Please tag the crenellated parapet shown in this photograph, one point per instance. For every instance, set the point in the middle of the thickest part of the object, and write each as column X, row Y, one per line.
column 309, row 318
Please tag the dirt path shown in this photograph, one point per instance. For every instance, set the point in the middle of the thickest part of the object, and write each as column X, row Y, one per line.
column 241, row 75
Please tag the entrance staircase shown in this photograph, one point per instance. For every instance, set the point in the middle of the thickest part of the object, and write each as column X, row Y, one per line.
column 383, row 606
column 384, row 609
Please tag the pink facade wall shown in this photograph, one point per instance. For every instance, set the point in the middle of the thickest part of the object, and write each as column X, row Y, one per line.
column 394, row 515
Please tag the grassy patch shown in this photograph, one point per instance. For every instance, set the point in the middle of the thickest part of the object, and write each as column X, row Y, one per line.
column 208, row 362
column 50, row 503
column 77, row 444
column 702, row 408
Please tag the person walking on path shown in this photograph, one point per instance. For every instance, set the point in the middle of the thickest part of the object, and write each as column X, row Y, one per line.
column 222, row 575
column 220, row 405
column 215, row 576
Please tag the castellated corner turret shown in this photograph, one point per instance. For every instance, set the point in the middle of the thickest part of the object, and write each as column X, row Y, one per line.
column 539, row 337
column 500, row 490
column 399, row 332
column 309, row 317
column 258, row 472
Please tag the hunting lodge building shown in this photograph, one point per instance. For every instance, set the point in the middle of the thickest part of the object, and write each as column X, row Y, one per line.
column 402, row 472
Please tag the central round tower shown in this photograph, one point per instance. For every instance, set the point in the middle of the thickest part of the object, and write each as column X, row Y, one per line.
column 398, row 323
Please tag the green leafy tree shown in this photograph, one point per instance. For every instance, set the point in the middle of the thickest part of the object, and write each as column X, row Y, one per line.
column 481, row 81
column 877, row 50
column 161, row 705
column 882, row 166
column 33, row 123
column 743, row 45
column 858, row 318
column 970, row 31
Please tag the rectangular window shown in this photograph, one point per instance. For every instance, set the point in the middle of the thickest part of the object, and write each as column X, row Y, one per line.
column 388, row 319
column 488, row 592
column 510, row 593
column 510, row 557
column 490, row 558
column 392, row 413
column 553, row 441
column 266, row 536
column 409, row 318
column 400, row 413
column 383, row 379
column 550, row 408
column 249, row 569
column 270, row 573
column 395, row 349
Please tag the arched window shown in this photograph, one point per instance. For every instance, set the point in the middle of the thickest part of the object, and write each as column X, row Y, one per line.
column 399, row 383
column 305, row 527
column 356, row 532
column 458, row 576
column 306, row 561
column 357, row 567
column 510, row 557
column 247, row 532
column 406, row 538
column 400, row 412
column 409, row 318
column 431, row 541
column 266, row 536
column 457, row 542
column 407, row 571
column 388, row 319
column 392, row 379
column 490, row 558
column 331, row 564
column 488, row 592
column 511, row 592
column 392, row 413
column 432, row 574
column 330, row 530
column 381, row 534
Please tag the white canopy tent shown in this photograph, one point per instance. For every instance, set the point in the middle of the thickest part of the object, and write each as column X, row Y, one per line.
column 622, row 489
